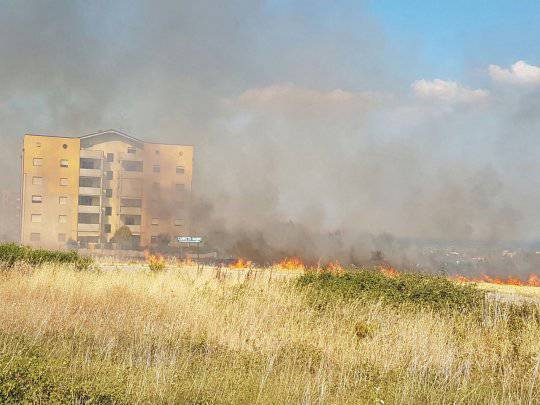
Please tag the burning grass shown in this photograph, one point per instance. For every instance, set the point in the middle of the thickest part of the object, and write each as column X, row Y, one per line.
column 188, row 336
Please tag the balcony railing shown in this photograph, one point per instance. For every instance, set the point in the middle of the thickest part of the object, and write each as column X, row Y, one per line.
column 130, row 210
column 90, row 172
column 89, row 209
column 91, row 154
column 88, row 227
column 93, row 191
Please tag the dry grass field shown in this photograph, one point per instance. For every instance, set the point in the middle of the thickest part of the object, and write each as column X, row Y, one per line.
column 188, row 336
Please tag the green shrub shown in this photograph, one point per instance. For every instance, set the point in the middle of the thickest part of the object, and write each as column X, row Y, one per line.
column 30, row 375
column 418, row 290
column 11, row 253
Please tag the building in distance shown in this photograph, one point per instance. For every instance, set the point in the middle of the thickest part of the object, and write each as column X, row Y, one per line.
column 85, row 189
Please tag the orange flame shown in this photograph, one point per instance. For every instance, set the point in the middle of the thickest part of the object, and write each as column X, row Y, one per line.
column 335, row 268
column 532, row 281
column 241, row 264
column 389, row 272
column 291, row 263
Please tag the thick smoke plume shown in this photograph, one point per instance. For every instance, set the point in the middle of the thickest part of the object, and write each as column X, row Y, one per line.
column 311, row 135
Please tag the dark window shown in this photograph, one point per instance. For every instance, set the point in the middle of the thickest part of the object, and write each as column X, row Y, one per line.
column 132, row 150
column 85, row 218
column 180, row 169
column 130, row 202
column 108, row 192
column 64, row 146
column 132, row 165
column 110, row 157
column 107, row 228
column 132, row 219
column 88, row 200
column 89, row 182
column 156, row 169
column 87, row 163
column 108, row 210
column 108, row 175
column 180, row 187
column 157, row 152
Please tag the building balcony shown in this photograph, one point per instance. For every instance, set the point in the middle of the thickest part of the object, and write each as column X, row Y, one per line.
column 130, row 210
column 135, row 229
column 90, row 172
column 89, row 209
column 88, row 227
column 91, row 154
column 126, row 174
column 93, row 191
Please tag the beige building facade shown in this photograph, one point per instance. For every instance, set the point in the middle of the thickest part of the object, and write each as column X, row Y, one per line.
column 84, row 189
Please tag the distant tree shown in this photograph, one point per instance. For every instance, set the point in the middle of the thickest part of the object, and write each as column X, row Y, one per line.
column 123, row 237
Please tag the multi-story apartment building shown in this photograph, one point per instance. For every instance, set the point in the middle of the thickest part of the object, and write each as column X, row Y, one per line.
column 84, row 189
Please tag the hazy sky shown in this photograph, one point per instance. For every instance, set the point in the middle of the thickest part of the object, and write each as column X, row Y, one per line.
column 418, row 118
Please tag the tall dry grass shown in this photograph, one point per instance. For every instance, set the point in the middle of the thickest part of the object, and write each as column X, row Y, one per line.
column 183, row 336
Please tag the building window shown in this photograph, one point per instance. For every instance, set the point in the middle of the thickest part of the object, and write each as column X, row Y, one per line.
column 155, row 186
column 130, row 202
column 35, row 237
column 36, row 218
column 180, row 153
column 37, row 199
column 178, row 222
column 38, row 144
column 38, row 162
column 132, row 165
column 180, row 169
column 64, row 181
column 153, row 239
column 180, row 187
column 132, row 150
column 155, row 221
column 64, row 146
column 107, row 228
column 62, row 219
column 64, row 163
column 157, row 152
column 61, row 237
column 37, row 181
column 108, row 210
column 108, row 192
column 156, row 168
column 62, row 200
column 108, row 175
column 110, row 157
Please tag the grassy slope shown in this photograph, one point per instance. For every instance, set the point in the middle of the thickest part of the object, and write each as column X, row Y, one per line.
column 180, row 336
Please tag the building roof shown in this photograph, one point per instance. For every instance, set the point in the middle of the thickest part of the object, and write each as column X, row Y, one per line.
column 108, row 135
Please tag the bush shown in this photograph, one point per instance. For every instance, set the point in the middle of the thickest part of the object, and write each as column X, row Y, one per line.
column 418, row 290
column 11, row 253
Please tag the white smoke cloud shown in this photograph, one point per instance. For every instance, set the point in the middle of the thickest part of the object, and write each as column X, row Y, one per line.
column 447, row 91
column 519, row 73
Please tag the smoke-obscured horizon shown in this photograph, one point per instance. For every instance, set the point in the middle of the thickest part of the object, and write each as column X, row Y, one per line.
column 304, row 125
